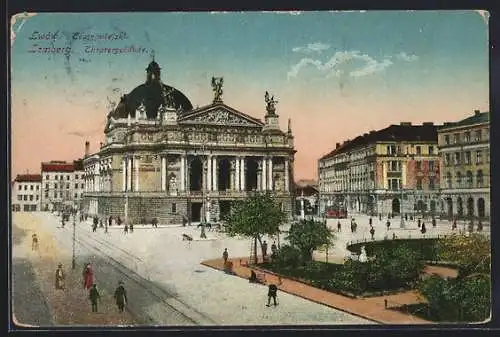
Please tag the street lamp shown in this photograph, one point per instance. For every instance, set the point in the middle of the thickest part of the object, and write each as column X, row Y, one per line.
column 73, row 262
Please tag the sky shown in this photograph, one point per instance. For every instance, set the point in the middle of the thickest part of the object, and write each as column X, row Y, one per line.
column 335, row 74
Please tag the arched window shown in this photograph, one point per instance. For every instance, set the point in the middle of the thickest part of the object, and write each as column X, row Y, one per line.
column 479, row 178
column 448, row 179
column 469, row 179
column 459, row 179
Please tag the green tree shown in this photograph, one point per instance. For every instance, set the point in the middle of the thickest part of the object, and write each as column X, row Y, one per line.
column 308, row 235
column 256, row 216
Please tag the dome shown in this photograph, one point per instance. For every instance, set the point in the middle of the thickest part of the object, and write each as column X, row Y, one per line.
column 151, row 94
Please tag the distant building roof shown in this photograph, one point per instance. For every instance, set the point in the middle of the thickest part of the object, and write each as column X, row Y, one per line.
column 405, row 132
column 78, row 165
column 58, row 166
column 478, row 118
column 306, row 182
column 28, row 178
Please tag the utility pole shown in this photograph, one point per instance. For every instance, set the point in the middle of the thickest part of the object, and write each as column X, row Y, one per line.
column 73, row 262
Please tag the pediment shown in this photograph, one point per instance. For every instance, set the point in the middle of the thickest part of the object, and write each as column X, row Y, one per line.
column 220, row 115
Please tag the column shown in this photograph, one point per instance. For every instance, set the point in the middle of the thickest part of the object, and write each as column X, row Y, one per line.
column 237, row 175
column 242, row 172
column 287, row 177
column 270, row 171
column 182, row 177
column 263, row 175
column 209, row 173
column 403, row 174
column 163, row 173
column 136, row 164
column 214, row 173
column 384, row 175
column 129, row 174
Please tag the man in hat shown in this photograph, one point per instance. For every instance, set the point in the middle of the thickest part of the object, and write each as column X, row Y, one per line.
column 60, row 277
column 94, row 296
column 272, row 293
column 34, row 242
column 120, row 296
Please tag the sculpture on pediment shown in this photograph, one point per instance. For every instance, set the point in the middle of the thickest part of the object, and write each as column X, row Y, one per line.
column 140, row 112
column 221, row 117
column 217, row 83
column 271, row 104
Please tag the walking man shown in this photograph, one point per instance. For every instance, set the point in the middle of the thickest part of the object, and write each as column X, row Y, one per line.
column 34, row 242
column 94, row 296
column 121, row 296
column 274, row 250
column 60, row 277
column 372, row 232
column 264, row 249
column 339, row 227
column 388, row 224
column 125, row 228
column 225, row 256
column 434, row 222
column 272, row 293
column 131, row 227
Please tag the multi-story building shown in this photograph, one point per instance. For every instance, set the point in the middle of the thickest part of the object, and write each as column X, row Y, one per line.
column 162, row 158
column 393, row 170
column 465, row 159
column 62, row 184
column 26, row 193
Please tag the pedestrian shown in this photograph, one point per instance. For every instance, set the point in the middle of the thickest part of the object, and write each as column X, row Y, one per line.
column 454, row 225
column 60, row 277
column 372, row 232
column 339, row 227
column 225, row 256
column 355, row 226
column 62, row 222
column 88, row 277
column 96, row 222
column 131, row 227
column 34, row 242
column 125, row 229
column 406, row 216
column 184, row 221
column 423, row 229
column 264, row 249
column 272, row 293
column 380, row 217
column 370, row 221
column 120, row 296
column 418, row 222
column 434, row 222
column 119, row 221
column 101, row 225
column 394, row 235
column 388, row 224
column 110, row 221
column 274, row 249
column 479, row 226
column 94, row 296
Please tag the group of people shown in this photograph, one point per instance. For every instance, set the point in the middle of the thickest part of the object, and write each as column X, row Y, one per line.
column 120, row 294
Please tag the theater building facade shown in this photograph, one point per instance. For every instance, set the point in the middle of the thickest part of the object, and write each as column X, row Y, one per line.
column 161, row 158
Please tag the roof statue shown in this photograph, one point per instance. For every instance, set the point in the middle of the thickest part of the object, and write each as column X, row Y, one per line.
column 289, row 125
column 271, row 104
column 217, row 88
column 140, row 112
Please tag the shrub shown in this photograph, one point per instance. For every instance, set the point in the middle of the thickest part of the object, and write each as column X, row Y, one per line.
column 288, row 256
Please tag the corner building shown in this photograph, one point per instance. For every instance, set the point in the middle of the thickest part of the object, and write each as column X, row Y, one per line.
column 163, row 159
column 465, row 156
column 393, row 170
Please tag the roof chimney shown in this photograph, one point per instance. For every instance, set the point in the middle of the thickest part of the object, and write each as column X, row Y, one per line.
column 100, row 145
column 428, row 123
column 477, row 112
column 405, row 123
column 87, row 148
column 337, row 145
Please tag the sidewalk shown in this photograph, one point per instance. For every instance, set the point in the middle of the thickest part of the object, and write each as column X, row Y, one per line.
column 70, row 306
column 372, row 308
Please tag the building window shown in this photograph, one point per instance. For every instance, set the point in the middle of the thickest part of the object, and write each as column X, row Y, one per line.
column 67, row 177
column 31, row 197
column 60, row 195
column 447, row 159
column 76, row 176
column 55, row 194
column 431, row 165
column 457, row 158
column 479, row 178
column 25, row 187
column 46, row 186
column 394, row 166
column 82, row 186
column 47, row 177
column 419, row 165
column 37, row 197
column 391, row 149
column 31, row 187
column 419, row 183
column 56, row 177
column 26, row 208
column 479, row 157
column 20, row 197
column 431, row 183
column 419, row 150
column 174, row 208
column 67, row 186
column 447, row 139
column 448, row 180
column 459, row 179
column 431, row 149
column 76, row 195
column 478, row 136
column 55, row 186
column 76, row 185
column 467, row 137
column 456, row 138
column 469, row 179
column 20, row 187
column 468, row 157
column 37, row 187
column 25, row 197
column 46, row 195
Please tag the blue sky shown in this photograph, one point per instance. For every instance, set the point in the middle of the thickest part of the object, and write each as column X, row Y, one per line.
column 320, row 65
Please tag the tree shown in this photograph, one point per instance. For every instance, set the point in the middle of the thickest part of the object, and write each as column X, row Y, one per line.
column 308, row 235
column 472, row 253
column 256, row 216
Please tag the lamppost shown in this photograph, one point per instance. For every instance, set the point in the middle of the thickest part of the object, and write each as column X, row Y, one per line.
column 402, row 225
column 73, row 262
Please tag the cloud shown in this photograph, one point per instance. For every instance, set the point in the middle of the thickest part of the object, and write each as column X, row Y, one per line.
column 405, row 57
column 316, row 47
column 338, row 63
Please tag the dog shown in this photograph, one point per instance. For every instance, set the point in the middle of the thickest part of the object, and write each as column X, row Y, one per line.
column 186, row 237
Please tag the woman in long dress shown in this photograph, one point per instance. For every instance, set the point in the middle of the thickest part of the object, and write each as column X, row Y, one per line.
column 60, row 277
column 88, row 278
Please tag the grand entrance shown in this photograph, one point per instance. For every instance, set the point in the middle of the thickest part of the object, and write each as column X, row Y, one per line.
column 449, row 202
column 460, row 207
column 251, row 174
column 396, row 206
column 196, row 211
column 195, row 176
column 470, row 207
column 223, row 175
column 480, row 208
